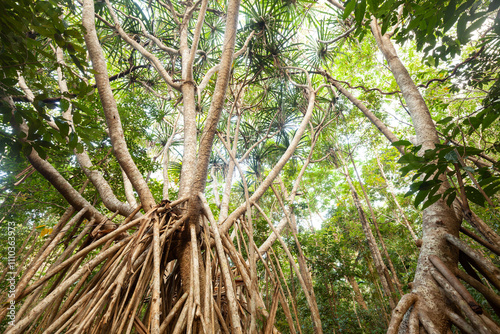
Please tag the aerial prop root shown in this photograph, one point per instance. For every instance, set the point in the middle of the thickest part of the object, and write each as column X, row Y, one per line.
column 97, row 304
column 400, row 310
column 125, row 279
column 480, row 262
column 461, row 298
column 456, row 292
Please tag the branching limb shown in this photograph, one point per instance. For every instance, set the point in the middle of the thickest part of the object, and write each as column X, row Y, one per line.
column 277, row 168
column 154, row 92
column 148, row 55
column 218, row 98
column 197, row 32
column 337, row 4
column 215, row 69
column 309, row 84
column 150, row 36
column 370, row 115
column 106, row 193
column 168, row 5
column 109, row 105
column 338, row 38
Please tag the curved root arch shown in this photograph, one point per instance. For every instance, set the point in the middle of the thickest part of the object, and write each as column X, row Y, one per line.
column 152, row 274
column 464, row 313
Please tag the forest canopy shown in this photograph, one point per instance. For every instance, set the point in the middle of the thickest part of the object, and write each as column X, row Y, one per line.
column 249, row 166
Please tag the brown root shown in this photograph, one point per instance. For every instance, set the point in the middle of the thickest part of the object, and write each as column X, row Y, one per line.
column 400, row 310
column 459, row 301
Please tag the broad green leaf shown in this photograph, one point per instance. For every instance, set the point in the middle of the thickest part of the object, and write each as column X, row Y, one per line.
column 430, row 201
column 451, row 198
column 474, row 196
column 445, row 120
column 449, row 15
column 461, row 27
column 359, row 12
column 401, row 143
column 349, row 7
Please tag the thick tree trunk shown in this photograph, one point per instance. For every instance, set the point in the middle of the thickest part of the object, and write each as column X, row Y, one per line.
column 438, row 219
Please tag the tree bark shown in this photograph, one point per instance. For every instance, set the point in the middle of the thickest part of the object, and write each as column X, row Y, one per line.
column 438, row 219
column 358, row 296
column 110, row 109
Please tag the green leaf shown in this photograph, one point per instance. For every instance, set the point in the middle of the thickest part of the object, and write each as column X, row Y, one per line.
column 63, row 126
column 469, row 169
column 448, row 18
column 406, row 169
column 475, row 25
column 41, row 152
column 349, row 7
column 452, row 156
column 469, row 151
column 11, row 82
column 445, row 120
column 402, row 143
column 77, row 117
column 489, row 117
column 493, row 6
column 73, row 140
column 359, row 12
column 64, row 104
column 430, row 155
column 461, row 27
column 421, row 195
column 430, row 201
column 474, row 195
column 429, row 171
column 79, row 148
column 409, row 158
column 451, row 198
column 373, row 5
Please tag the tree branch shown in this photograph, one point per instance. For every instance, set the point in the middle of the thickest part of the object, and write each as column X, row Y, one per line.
column 110, row 108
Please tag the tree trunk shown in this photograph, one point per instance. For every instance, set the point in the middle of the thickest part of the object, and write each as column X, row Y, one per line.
column 438, row 219
column 358, row 296
column 382, row 270
column 379, row 235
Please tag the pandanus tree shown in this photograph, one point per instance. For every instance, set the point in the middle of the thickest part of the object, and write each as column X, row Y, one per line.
column 168, row 265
